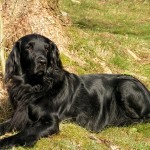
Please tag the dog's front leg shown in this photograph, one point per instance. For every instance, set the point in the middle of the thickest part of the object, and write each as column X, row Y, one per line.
column 46, row 126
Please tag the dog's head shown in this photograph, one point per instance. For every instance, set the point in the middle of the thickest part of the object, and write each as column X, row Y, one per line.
column 32, row 55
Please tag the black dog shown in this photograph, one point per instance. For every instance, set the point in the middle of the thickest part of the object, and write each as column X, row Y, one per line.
column 42, row 94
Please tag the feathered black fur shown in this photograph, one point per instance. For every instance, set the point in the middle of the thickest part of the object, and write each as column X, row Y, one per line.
column 42, row 94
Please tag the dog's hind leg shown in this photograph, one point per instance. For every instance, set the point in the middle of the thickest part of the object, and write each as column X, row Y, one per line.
column 134, row 99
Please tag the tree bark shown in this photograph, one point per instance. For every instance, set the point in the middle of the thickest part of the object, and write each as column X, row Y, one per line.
column 33, row 16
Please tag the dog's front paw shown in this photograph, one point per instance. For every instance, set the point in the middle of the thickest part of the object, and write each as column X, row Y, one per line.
column 5, row 144
column 2, row 132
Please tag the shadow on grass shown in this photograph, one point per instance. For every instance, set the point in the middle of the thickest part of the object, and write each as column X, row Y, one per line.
column 121, row 28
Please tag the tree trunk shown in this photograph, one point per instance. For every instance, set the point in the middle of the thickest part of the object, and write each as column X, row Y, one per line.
column 33, row 16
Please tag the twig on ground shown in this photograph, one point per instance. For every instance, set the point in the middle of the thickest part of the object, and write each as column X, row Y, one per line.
column 107, row 143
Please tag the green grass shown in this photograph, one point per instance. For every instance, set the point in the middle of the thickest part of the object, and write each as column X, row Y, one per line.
column 73, row 137
column 105, row 31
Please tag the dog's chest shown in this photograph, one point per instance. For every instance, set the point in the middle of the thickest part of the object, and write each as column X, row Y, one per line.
column 39, row 108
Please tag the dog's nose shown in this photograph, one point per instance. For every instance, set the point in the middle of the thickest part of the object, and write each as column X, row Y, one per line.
column 42, row 61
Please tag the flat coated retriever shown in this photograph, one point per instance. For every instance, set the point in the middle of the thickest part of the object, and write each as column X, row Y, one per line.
column 43, row 94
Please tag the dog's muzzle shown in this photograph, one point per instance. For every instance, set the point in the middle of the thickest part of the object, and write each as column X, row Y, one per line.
column 40, row 66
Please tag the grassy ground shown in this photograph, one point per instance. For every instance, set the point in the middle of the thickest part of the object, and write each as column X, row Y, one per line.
column 113, row 37
column 73, row 137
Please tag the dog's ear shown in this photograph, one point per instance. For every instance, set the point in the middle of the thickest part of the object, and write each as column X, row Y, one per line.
column 13, row 66
column 53, row 57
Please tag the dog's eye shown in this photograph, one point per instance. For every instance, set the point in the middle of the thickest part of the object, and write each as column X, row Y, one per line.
column 29, row 47
column 47, row 48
